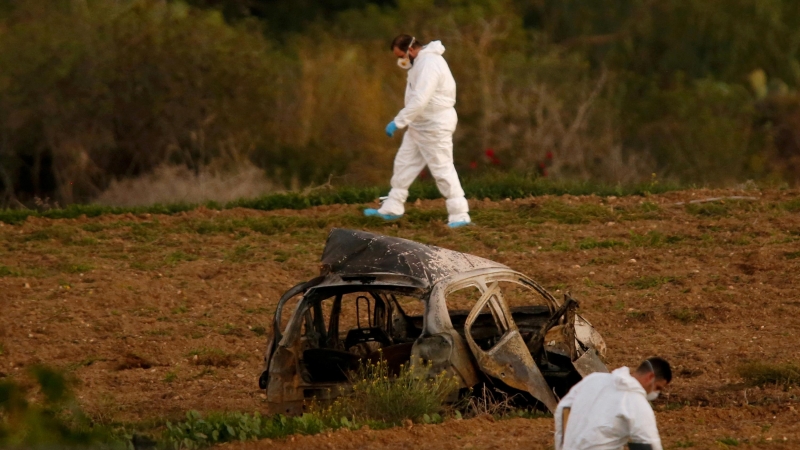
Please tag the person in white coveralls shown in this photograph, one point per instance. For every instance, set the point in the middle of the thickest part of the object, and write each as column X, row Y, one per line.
column 431, row 119
column 607, row 411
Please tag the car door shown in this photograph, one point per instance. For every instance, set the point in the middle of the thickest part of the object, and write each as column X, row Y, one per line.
column 506, row 359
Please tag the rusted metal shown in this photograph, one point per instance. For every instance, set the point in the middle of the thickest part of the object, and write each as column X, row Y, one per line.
column 313, row 354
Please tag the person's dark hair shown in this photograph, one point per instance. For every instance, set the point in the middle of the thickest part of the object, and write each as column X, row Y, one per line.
column 661, row 368
column 403, row 41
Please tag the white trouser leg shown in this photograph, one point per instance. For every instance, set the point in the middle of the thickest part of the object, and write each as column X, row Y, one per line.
column 408, row 163
column 437, row 148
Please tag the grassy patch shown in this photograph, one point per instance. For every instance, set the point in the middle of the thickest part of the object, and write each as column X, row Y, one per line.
column 561, row 212
column 641, row 316
column 492, row 187
column 231, row 330
column 6, row 271
column 791, row 205
column 75, row 268
column 176, row 257
column 240, row 253
column 787, row 255
column 213, row 357
column 686, row 315
column 733, row 442
column 590, row 243
column 259, row 330
column 759, row 373
column 649, row 282
column 170, row 377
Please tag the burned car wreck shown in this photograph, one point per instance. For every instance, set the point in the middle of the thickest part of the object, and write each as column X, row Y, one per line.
column 477, row 319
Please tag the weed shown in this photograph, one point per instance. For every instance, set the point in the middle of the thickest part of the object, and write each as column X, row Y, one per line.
column 649, row 282
column 642, row 316
column 76, row 268
column 5, row 271
column 686, row 315
column 175, row 257
column 259, row 330
column 590, row 243
column 170, row 377
column 565, row 213
column 729, row 441
column 759, row 373
column 180, row 309
column 684, row 444
column 377, row 395
column 240, row 253
column 791, row 205
column 231, row 330
column 213, row 357
column 787, row 255
column 134, row 361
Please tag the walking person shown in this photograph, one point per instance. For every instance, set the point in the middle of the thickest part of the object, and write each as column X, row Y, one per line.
column 431, row 119
column 606, row 411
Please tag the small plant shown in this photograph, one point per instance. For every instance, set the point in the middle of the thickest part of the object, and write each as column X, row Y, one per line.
column 759, row 373
column 259, row 330
column 649, row 282
column 231, row 330
column 641, row 316
column 170, row 377
column 212, row 357
column 175, row 257
column 686, row 315
column 590, row 243
column 376, row 395
column 733, row 442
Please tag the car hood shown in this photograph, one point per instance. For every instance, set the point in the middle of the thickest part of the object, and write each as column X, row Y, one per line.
column 359, row 253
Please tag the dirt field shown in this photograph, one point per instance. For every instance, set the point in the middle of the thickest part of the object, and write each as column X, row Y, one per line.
column 157, row 315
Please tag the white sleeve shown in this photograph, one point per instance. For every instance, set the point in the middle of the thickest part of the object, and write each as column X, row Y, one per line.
column 565, row 402
column 427, row 81
column 642, row 423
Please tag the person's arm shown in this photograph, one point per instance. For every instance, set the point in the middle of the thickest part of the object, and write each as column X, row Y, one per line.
column 643, row 428
column 427, row 81
column 561, row 417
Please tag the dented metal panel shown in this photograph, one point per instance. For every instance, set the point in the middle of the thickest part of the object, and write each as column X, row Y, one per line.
column 351, row 252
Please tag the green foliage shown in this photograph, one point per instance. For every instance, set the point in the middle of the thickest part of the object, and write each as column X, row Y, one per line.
column 650, row 282
column 55, row 422
column 759, row 373
column 377, row 395
column 198, row 432
column 686, row 315
column 590, row 243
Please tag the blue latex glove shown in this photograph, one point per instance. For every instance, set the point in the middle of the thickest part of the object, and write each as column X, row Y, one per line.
column 390, row 129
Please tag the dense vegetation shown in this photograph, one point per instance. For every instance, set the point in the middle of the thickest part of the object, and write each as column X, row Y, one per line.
column 93, row 91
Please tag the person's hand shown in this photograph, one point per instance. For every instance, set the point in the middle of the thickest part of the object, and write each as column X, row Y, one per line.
column 390, row 129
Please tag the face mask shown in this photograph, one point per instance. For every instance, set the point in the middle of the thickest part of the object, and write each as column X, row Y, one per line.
column 652, row 395
column 405, row 62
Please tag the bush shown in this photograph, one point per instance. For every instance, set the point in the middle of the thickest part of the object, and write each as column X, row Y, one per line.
column 376, row 395
column 760, row 373
column 56, row 421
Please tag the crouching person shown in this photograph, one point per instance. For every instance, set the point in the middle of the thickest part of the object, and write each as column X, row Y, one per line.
column 606, row 411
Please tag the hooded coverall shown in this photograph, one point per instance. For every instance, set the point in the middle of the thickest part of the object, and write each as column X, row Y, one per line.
column 607, row 411
column 431, row 119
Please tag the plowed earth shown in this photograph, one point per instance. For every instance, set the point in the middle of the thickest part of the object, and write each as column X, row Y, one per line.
column 156, row 315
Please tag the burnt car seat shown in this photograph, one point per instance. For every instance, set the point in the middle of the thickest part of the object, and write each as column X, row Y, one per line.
column 361, row 335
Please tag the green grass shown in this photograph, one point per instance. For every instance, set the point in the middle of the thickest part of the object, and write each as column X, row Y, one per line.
column 787, row 255
column 733, row 442
column 650, row 282
column 686, row 315
column 490, row 187
column 759, row 373
column 590, row 243
column 176, row 257
column 6, row 271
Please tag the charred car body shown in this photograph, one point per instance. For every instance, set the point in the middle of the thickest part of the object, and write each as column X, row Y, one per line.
column 405, row 301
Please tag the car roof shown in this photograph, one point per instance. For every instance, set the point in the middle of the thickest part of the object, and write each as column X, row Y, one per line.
column 353, row 253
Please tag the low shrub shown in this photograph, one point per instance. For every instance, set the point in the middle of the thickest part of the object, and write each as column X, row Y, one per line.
column 760, row 373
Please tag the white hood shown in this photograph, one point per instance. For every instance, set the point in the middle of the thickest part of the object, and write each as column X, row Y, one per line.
column 434, row 47
column 625, row 381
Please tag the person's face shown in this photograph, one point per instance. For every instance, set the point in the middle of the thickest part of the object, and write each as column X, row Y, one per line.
column 654, row 384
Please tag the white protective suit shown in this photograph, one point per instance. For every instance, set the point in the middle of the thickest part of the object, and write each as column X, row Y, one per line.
column 607, row 410
column 431, row 119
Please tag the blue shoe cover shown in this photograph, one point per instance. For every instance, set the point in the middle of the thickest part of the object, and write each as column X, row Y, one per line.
column 371, row 212
column 459, row 224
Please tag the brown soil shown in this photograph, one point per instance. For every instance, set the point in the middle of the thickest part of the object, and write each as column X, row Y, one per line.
column 157, row 315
